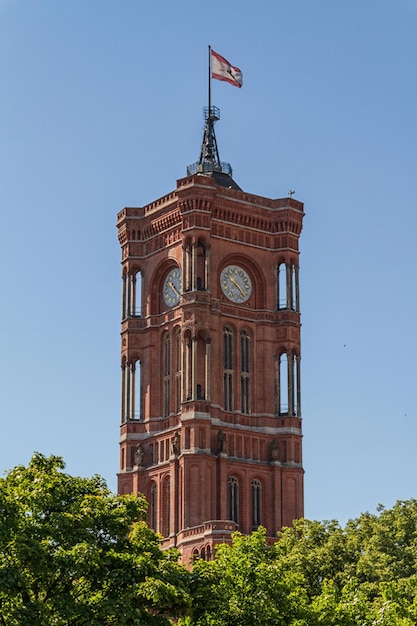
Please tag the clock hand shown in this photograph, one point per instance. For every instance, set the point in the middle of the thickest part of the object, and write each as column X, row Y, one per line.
column 171, row 284
column 238, row 286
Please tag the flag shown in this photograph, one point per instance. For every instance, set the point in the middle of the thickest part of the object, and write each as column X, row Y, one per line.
column 222, row 70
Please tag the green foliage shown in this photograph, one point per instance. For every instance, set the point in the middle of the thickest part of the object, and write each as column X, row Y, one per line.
column 247, row 585
column 316, row 574
column 74, row 554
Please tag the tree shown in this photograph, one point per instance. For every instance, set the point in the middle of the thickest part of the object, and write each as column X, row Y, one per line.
column 74, row 554
column 247, row 586
column 315, row 574
column 362, row 574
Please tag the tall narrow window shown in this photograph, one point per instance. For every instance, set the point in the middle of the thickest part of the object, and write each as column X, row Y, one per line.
column 294, row 287
column 233, row 499
column 137, row 391
column 177, row 369
column 166, row 370
column 168, row 508
column 288, row 391
column 125, row 388
column 132, row 294
column 256, row 503
column 244, row 371
column 131, row 391
column 228, row 368
column 152, row 507
column 282, row 286
column 297, row 387
column 201, row 266
column 283, row 385
column 137, row 297
column 288, row 286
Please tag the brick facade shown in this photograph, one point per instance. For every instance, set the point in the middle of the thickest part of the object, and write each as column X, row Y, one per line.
column 211, row 408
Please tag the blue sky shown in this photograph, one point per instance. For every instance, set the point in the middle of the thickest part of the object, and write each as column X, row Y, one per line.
column 101, row 108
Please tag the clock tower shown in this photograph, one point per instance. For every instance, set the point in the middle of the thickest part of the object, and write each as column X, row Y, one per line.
column 210, row 357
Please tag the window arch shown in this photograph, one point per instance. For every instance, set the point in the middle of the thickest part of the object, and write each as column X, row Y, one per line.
column 227, row 368
column 256, row 503
column 233, row 499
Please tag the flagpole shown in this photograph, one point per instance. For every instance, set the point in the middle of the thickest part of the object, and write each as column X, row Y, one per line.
column 209, row 80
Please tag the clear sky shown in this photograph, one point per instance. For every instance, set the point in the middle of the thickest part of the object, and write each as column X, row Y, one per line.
column 101, row 107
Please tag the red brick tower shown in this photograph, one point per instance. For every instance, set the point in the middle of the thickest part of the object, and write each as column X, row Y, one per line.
column 211, row 414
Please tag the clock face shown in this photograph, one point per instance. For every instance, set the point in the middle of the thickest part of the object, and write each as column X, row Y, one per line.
column 171, row 290
column 235, row 283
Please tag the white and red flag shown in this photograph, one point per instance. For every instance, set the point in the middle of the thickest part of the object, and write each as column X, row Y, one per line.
column 223, row 70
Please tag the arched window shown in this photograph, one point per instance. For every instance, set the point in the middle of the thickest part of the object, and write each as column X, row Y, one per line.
column 132, row 294
column 294, row 287
column 196, row 264
column 187, row 367
column 152, row 507
column 288, row 286
column 201, row 267
column 256, row 503
column 288, row 386
column 166, row 370
column 283, row 385
column 297, row 387
column 233, row 499
column 167, row 508
column 131, row 391
column 137, row 300
column 282, row 286
column 244, row 371
column 177, row 369
column 227, row 368
column 137, row 391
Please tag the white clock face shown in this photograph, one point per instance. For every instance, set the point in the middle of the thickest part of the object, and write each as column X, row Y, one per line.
column 236, row 284
column 171, row 291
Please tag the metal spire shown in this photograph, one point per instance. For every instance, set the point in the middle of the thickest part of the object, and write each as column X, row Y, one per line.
column 209, row 151
column 209, row 162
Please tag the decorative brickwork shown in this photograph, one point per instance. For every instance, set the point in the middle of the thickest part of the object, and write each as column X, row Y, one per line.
column 211, row 400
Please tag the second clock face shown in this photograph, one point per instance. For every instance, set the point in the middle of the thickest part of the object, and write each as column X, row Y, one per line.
column 171, row 291
column 236, row 283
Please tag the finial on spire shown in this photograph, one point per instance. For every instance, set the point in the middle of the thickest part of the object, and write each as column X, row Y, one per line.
column 209, row 150
column 209, row 154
